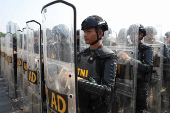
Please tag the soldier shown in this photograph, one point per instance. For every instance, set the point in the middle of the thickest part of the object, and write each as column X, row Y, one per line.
column 36, row 46
column 167, row 34
column 145, row 63
column 96, row 69
column 15, row 62
column 62, row 45
column 122, row 37
column 166, row 73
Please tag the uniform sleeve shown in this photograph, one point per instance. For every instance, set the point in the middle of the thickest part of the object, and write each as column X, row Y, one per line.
column 109, row 72
column 146, row 65
column 166, row 54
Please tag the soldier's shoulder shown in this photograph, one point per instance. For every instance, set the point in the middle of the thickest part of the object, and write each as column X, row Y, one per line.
column 105, row 52
column 84, row 51
column 144, row 46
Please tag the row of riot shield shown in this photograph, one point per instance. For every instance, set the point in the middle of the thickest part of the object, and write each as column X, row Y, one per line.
column 29, row 62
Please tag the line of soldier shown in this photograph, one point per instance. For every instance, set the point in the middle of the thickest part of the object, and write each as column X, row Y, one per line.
column 90, row 74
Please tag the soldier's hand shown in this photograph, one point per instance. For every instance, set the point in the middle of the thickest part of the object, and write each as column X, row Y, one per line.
column 124, row 56
column 78, row 78
column 15, row 52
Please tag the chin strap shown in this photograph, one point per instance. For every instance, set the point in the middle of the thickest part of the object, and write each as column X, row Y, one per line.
column 97, row 38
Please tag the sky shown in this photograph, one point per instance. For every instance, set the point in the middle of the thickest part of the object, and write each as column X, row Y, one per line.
column 117, row 13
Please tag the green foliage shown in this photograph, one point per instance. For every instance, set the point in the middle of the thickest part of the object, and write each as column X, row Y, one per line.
column 2, row 34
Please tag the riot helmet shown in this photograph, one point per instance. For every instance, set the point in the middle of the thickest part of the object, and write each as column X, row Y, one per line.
column 107, row 32
column 60, row 32
column 167, row 34
column 36, row 35
column 122, row 36
column 78, row 32
column 150, row 34
column 136, row 29
column 96, row 22
column 15, row 40
column 150, row 29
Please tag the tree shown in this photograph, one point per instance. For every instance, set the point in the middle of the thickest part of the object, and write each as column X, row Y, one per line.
column 2, row 34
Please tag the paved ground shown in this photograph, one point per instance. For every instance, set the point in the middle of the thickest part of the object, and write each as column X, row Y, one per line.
column 7, row 105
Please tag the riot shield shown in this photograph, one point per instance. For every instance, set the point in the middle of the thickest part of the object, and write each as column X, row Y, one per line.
column 109, row 38
column 25, row 77
column 12, row 79
column 153, row 39
column 6, row 62
column 8, row 65
column 34, row 66
column 2, row 57
column 19, row 69
column 126, row 76
column 60, row 67
column 165, row 93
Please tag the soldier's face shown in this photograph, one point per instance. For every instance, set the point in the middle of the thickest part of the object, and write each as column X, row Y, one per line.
column 35, row 39
column 90, row 35
column 168, row 40
column 149, row 36
column 78, row 36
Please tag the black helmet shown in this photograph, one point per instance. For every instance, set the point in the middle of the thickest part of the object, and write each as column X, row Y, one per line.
column 122, row 32
column 150, row 29
column 36, row 33
column 167, row 34
column 78, row 32
column 137, row 28
column 96, row 22
column 48, row 34
column 61, row 30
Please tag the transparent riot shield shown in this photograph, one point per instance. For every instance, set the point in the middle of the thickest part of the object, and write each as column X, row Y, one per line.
column 34, row 66
column 25, row 77
column 166, row 83
column 12, row 83
column 2, row 57
column 126, row 76
column 109, row 38
column 60, row 69
column 19, row 69
column 155, row 90
column 165, row 93
column 6, row 62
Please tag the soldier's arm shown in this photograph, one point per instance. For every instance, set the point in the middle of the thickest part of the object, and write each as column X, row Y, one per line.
column 147, row 64
column 166, row 55
column 108, row 80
